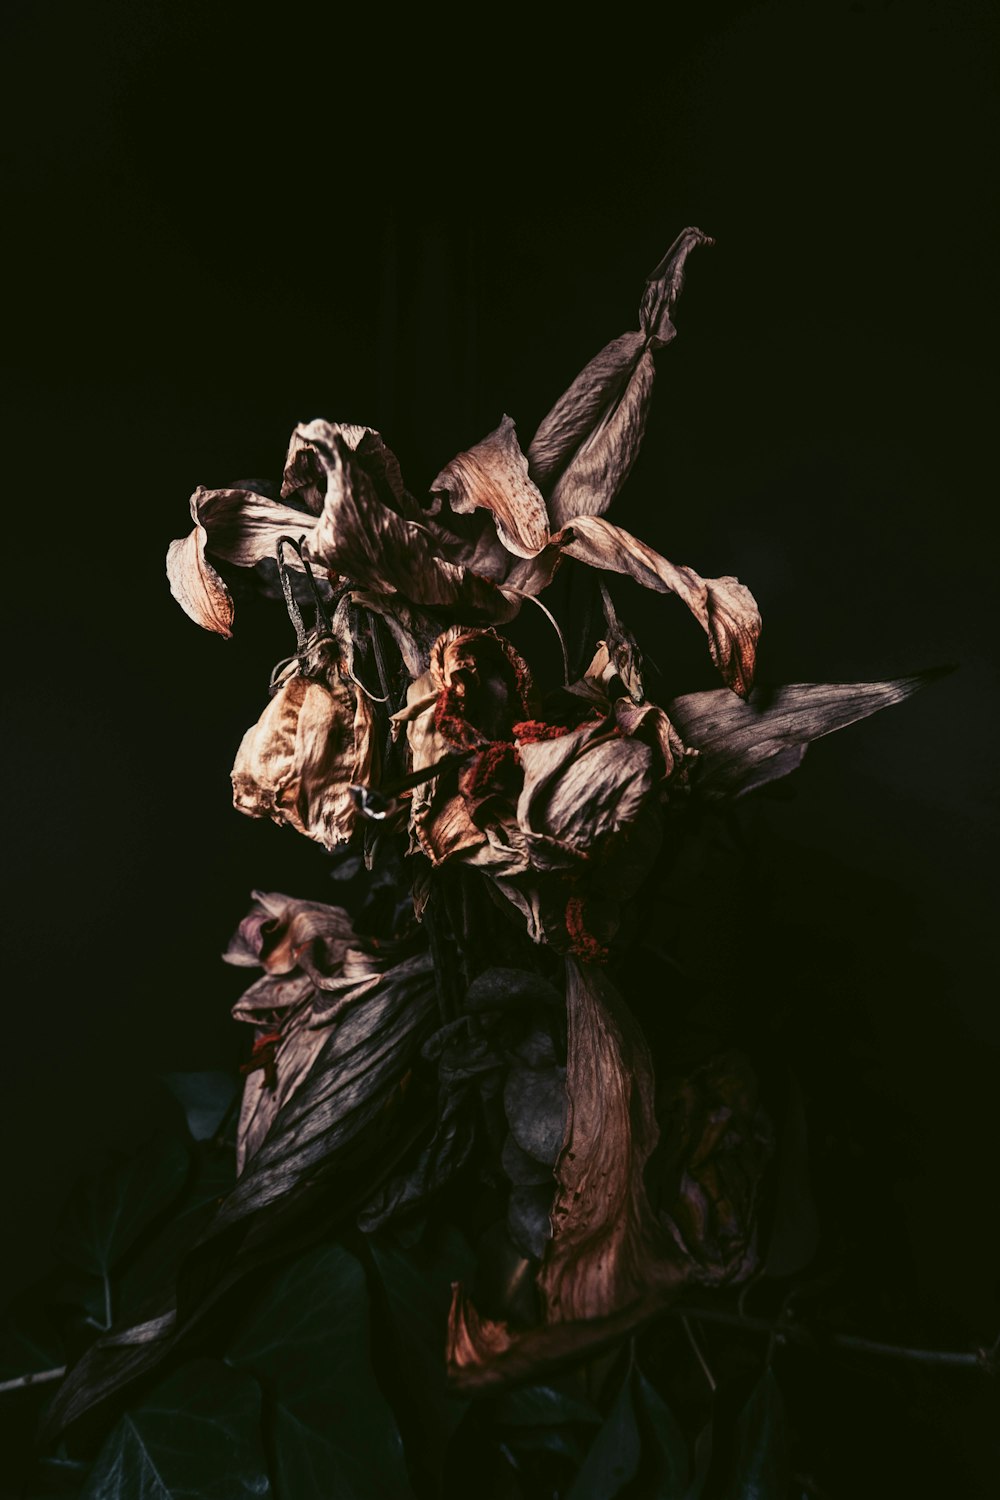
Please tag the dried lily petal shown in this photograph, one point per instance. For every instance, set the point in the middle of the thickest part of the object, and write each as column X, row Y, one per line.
column 235, row 526
column 493, row 476
column 724, row 608
column 361, row 536
column 607, row 1265
column 586, row 446
column 743, row 745
column 311, row 744
column 580, row 788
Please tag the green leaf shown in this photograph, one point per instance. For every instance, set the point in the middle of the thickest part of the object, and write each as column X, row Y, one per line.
column 417, row 1282
column 541, row 1406
column 196, row 1436
column 306, row 1340
column 614, row 1456
column 31, row 1339
column 204, row 1097
column 664, row 1444
column 760, row 1464
column 106, row 1215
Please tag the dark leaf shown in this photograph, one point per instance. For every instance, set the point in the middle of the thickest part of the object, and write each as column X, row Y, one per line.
column 521, row 1169
column 665, row 1449
column 105, row 1216
column 196, row 1436
column 743, row 745
column 528, row 1218
column 759, row 1462
column 615, row 1454
column 204, row 1098
column 417, row 1283
column 499, row 988
column 307, row 1341
column 542, row 1406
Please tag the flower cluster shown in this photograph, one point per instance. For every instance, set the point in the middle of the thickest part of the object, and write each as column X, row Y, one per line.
column 408, row 734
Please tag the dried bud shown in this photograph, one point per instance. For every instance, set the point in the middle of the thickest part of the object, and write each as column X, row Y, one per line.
column 312, row 743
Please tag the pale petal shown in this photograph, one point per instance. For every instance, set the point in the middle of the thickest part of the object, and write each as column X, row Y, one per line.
column 493, row 476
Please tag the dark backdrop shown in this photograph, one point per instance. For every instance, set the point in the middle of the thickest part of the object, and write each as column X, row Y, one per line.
column 214, row 231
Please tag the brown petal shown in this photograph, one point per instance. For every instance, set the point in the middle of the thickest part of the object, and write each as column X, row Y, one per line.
column 234, row 526
column 725, row 609
column 606, row 1266
column 743, row 745
column 493, row 476
column 311, row 744
column 586, row 446
column 379, row 549
column 583, row 786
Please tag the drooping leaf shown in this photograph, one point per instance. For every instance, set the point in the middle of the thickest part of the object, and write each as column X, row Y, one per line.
column 204, row 1098
column 584, row 449
column 543, row 1406
column 759, row 1459
column 196, row 1436
column 307, row 1341
column 348, row 1081
column 743, row 745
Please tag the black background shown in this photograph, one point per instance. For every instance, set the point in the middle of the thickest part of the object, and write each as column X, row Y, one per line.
column 215, row 230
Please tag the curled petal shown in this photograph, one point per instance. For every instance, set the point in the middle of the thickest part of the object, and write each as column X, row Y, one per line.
column 361, row 536
column 493, row 476
column 313, row 742
column 234, row 526
column 724, row 607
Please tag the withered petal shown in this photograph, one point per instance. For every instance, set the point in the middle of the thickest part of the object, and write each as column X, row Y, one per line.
column 743, row 745
column 586, row 446
column 724, row 607
column 234, row 526
column 493, row 476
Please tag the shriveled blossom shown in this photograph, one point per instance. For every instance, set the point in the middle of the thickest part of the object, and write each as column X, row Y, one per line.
column 390, row 1055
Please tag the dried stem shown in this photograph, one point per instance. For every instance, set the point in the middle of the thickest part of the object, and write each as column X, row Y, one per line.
column 34, row 1377
column 781, row 1332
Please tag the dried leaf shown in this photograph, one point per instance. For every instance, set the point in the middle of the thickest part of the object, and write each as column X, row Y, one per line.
column 313, row 742
column 743, row 745
column 580, row 788
column 586, row 446
column 723, row 607
column 493, row 476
